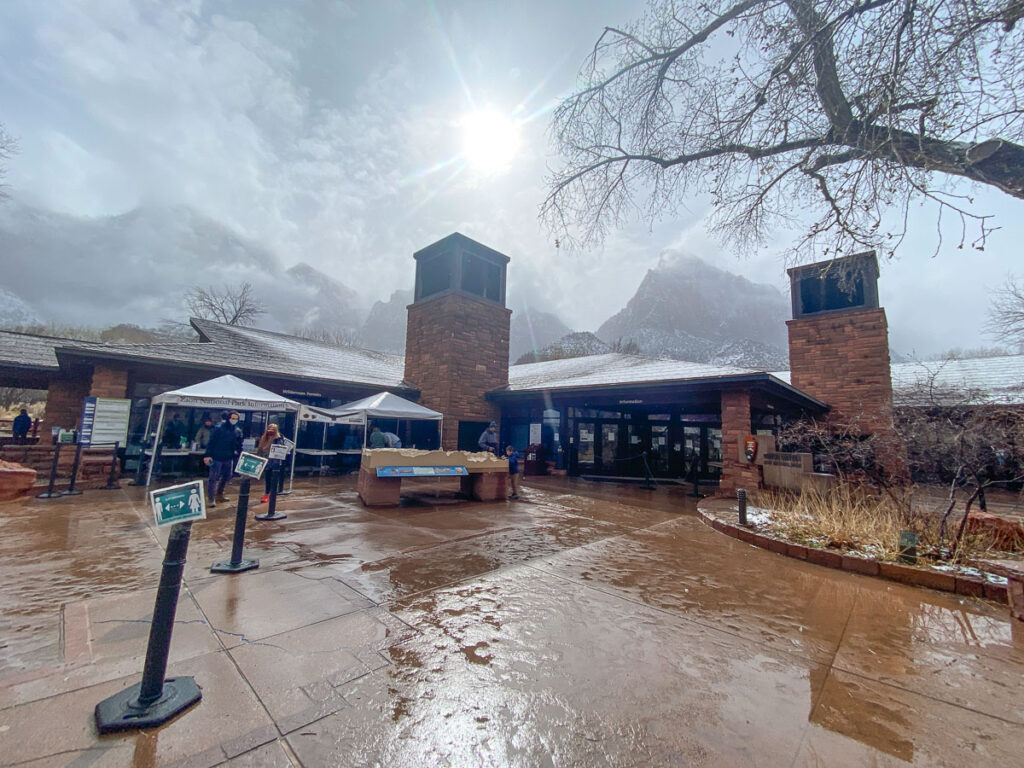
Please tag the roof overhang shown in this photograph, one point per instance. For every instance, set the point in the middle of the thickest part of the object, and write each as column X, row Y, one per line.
column 76, row 353
column 764, row 382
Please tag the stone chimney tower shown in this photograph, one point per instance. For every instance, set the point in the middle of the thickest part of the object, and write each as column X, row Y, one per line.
column 457, row 337
column 839, row 340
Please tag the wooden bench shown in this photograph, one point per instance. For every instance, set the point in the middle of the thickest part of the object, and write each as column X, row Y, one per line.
column 1013, row 571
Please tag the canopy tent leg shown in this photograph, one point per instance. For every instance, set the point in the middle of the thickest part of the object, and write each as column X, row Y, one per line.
column 295, row 441
column 156, row 438
column 440, row 434
column 142, row 447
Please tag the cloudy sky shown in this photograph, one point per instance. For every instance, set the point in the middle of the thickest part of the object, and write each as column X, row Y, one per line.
column 339, row 133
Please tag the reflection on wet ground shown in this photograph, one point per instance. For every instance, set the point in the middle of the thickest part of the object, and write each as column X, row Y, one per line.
column 585, row 624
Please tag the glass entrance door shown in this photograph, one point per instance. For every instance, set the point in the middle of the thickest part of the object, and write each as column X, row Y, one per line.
column 586, row 442
column 609, row 449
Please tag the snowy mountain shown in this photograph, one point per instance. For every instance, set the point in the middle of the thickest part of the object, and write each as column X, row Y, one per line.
column 531, row 331
column 574, row 344
column 14, row 311
column 384, row 329
column 687, row 309
column 138, row 266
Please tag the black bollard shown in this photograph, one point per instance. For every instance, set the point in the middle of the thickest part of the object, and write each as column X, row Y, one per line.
column 741, row 499
column 237, row 563
column 74, row 473
column 50, row 494
column 155, row 700
column 112, row 484
column 272, row 501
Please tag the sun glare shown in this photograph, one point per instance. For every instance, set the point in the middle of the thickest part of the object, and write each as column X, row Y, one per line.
column 490, row 141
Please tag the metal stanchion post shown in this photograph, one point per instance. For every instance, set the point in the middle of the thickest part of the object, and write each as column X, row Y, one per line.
column 74, row 473
column 741, row 499
column 272, row 513
column 649, row 483
column 50, row 494
column 156, row 700
column 237, row 563
column 112, row 484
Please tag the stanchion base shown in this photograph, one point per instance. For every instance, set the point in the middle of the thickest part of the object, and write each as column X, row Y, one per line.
column 122, row 712
column 225, row 566
column 54, row 495
column 114, row 487
column 283, row 493
column 268, row 516
column 72, row 493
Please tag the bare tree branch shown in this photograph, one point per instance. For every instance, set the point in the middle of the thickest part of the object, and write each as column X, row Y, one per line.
column 232, row 306
column 1006, row 313
column 865, row 104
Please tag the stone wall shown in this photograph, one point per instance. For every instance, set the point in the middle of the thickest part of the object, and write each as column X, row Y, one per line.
column 736, row 472
column 63, row 405
column 456, row 350
column 109, row 382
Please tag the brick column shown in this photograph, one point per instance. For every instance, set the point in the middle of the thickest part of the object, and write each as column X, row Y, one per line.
column 736, row 473
column 456, row 350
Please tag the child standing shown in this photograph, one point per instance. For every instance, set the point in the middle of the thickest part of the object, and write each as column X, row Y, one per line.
column 513, row 470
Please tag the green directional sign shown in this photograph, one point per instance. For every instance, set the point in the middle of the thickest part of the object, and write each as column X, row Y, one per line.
column 251, row 465
column 179, row 503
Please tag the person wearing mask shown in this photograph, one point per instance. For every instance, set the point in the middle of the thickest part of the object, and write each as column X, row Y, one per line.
column 489, row 439
column 22, row 424
column 203, row 434
column 377, row 439
column 271, row 437
column 513, row 470
column 220, row 457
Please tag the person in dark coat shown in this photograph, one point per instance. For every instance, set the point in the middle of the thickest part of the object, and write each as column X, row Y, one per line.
column 271, row 437
column 22, row 424
column 513, row 470
column 224, row 443
column 489, row 439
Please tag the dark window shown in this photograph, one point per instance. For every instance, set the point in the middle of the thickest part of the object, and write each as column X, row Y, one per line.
column 481, row 278
column 437, row 274
column 831, row 293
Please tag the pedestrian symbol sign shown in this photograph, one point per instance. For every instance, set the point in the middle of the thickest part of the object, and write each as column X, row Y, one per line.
column 251, row 465
column 179, row 503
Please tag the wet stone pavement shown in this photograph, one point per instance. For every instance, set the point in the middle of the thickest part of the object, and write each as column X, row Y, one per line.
column 582, row 625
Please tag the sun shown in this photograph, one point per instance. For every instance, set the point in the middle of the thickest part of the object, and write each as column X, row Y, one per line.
column 490, row 141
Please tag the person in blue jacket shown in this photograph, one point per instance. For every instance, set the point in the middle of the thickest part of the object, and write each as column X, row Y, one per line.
column 513, row 470
column 225, row 442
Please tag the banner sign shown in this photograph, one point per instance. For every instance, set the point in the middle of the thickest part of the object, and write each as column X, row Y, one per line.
column 421, row 471
column 179, row 503
column 251, row 465
column 278, row 451
column 104, row 421
column 238, row 403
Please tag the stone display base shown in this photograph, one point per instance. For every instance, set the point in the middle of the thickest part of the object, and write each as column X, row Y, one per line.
column 485, row 486
column 378, row 491
column 15, row 480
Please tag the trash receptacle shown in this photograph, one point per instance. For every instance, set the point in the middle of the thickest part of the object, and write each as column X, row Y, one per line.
column 534, row 463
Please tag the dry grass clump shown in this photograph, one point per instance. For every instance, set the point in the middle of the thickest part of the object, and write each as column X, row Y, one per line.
column 850, row 518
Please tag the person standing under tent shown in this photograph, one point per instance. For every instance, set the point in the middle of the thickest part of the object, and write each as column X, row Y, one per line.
column 377, row 439
column 391, row 440
column 220, row 457
column 202, row 438
column 489, row 439
column 271, row 437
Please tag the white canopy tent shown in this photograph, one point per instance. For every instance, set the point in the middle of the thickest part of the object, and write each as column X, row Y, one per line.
column 227, row 392
column 386, row 405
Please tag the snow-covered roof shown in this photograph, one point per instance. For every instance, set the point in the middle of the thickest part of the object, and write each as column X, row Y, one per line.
column 609, row 370
column 995, row 380
column 29, row 350
column 252, row 351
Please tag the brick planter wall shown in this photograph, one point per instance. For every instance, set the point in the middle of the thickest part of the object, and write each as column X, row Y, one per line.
column 456, row 349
